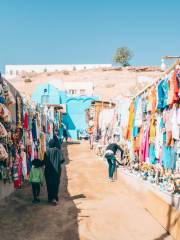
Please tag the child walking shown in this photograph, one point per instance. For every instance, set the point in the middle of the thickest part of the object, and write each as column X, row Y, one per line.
column 36, row 179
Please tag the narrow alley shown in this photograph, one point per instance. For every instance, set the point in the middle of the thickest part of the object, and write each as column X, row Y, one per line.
column 90, row 207
column 89, row 120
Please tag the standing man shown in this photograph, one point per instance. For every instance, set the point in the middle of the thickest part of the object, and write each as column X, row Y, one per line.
column 110, row 154
column 64, row 132
column 91, row 133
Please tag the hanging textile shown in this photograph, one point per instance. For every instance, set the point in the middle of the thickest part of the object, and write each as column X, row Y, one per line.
column 148, row 137
column 130, row 121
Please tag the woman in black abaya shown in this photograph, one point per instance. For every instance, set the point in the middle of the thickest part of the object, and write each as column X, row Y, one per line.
column 53, row 160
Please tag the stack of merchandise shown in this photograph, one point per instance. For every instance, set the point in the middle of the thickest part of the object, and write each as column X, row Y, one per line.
column 153, row 131
column 11, row 148
column 24, row 132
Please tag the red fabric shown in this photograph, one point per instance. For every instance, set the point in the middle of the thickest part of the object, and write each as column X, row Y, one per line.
column 173, row 89
column 49, row 128
column 176, row 86
column 17, row 183
column 26, row 122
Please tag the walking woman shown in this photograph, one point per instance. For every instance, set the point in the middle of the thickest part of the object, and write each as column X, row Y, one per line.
column 53, row 160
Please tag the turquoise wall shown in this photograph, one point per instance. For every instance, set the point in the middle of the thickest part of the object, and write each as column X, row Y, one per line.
column 52, row 92
column 75, row 119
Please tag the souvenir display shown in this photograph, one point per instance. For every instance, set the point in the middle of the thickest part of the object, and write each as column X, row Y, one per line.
column 149, row 136
column 153, row 132
column 24, row 132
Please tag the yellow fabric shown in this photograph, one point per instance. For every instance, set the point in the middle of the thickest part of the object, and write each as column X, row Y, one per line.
column 152, row 130
column 42, row 145
column 130, row 121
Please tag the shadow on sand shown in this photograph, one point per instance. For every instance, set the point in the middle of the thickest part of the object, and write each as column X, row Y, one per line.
column 20, row 219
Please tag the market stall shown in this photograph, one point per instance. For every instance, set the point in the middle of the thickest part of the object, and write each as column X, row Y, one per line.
column 153, row 132
column 101, row 117
column 25, row 129
column 11, row 156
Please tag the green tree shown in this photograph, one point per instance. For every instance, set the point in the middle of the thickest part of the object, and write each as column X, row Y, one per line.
column 122, row 56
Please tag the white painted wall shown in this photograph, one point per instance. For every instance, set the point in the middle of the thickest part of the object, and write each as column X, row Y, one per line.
column 14, row 70
column 87, row 87
column 81, row 88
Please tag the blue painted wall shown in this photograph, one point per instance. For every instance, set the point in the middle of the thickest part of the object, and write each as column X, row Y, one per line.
column 75, row 117
column 51, row 92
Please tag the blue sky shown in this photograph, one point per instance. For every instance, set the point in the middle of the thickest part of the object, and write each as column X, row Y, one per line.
column 81, row 31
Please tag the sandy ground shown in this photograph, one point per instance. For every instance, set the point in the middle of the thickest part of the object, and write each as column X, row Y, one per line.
column 90, row 208
column 108, row 84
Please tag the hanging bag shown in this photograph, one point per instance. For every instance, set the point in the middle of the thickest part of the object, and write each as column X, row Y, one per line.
column 5, row 113
column 3, row 153
column 1, row 89
column 1, row 110
column 8, row 96
column 3, row 132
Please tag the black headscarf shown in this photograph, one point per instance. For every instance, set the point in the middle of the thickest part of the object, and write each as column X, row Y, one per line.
column 55, row 143
column 54, row 156
column 37, row 163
